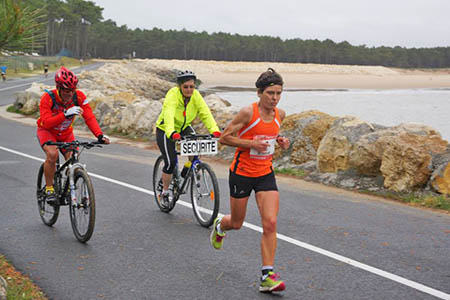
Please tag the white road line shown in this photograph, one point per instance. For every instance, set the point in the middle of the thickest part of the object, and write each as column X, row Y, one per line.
column 24, row 84
column 354, row 263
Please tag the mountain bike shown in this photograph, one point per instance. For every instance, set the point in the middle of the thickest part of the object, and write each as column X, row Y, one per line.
column 73, row 188
column 204, row 188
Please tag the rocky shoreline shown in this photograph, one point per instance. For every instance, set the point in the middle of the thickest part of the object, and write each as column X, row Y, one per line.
column 344, row 152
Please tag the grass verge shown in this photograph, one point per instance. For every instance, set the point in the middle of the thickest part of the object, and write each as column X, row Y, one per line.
column 290, row 172
column 19, row 286
column 430, row 201
column 13, row 109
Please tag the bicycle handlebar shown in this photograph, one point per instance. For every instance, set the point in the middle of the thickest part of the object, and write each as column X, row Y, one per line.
column 192, row 137
column 65, row 145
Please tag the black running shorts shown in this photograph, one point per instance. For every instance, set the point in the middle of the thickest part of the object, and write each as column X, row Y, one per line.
column 242, row 186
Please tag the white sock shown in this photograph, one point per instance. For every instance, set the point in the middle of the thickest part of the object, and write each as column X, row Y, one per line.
column 219, row 230
column 266, row 268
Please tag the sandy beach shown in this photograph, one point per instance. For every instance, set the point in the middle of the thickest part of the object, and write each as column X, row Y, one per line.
column 314, row 76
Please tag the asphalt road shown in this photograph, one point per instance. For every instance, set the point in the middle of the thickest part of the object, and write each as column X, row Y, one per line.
column 13, row 85
column 332, row 245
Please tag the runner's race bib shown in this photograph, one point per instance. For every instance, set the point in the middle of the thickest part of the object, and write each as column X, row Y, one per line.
column 270, row 150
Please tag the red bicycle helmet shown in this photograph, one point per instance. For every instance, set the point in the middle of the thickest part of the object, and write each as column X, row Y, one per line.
column 66, row 79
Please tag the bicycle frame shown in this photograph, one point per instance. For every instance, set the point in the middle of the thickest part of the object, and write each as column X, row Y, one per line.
column 72, row 163
column 184, row 182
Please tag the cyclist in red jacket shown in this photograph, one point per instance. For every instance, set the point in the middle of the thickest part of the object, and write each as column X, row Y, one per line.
column 58, row 109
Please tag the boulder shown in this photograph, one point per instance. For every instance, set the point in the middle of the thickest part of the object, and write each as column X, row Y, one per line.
column 333, row 153
column 405, row 166
column 108, row 116
column 125, row 97
column 366, row 155
column 440, row 178
column 140, row 117
column 407, row 161
column 28, row 101
column 305, row 131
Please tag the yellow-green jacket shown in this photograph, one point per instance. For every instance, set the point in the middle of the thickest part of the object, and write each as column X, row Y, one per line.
column 175, row 116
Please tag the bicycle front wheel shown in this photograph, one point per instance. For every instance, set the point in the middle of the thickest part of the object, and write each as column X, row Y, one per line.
column 205, row 195
column 82, row 210
column 158, row 185
column 48, row 213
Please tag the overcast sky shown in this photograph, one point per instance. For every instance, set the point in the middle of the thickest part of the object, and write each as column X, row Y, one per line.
column 406, row 23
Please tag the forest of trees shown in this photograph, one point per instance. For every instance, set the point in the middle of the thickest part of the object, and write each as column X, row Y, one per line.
column 78, row 25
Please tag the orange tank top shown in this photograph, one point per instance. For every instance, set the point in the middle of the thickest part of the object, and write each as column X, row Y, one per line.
column 248, row 162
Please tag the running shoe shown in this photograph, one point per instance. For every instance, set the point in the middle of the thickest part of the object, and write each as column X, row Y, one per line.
column 272, row 283
column 216, row 238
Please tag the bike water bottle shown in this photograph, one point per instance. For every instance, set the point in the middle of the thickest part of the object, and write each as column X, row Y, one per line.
column 186, row 167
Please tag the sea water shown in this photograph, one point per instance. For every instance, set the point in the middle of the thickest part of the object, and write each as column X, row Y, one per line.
column 385, row 107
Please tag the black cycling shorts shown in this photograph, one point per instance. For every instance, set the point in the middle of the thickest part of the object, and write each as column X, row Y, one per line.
column 242, row 186
column 167, row 148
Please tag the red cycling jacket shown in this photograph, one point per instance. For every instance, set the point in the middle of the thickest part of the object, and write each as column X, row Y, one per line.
column 52, row 115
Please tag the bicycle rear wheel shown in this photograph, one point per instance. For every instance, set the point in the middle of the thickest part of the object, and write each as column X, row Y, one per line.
column 158, row 185
column 82, row 212
column 48, row 213
column 205, row 195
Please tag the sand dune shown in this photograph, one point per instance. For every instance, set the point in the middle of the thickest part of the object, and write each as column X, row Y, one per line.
column 225, row 73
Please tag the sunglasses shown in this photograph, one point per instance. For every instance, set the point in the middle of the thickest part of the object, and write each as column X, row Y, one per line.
column 67, row 91
column 188, row 86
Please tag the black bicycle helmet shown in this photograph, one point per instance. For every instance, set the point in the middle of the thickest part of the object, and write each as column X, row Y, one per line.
column 183, row 76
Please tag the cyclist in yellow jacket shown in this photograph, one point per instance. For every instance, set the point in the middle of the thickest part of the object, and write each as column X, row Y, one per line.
column 181, row 106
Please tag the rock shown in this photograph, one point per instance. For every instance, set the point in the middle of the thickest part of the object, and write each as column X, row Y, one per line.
column 407, row 161
column 440, row 178
column 139, row 118
column 108, row 116
column 28, row 101
column 405, row 166
column 305, row 131
column 348, row 183
column 366, row 154
column 328, row 178
column 309, row 166
column 333, row 153
column 125, row 97
column 31, row 106
column 217, row 104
